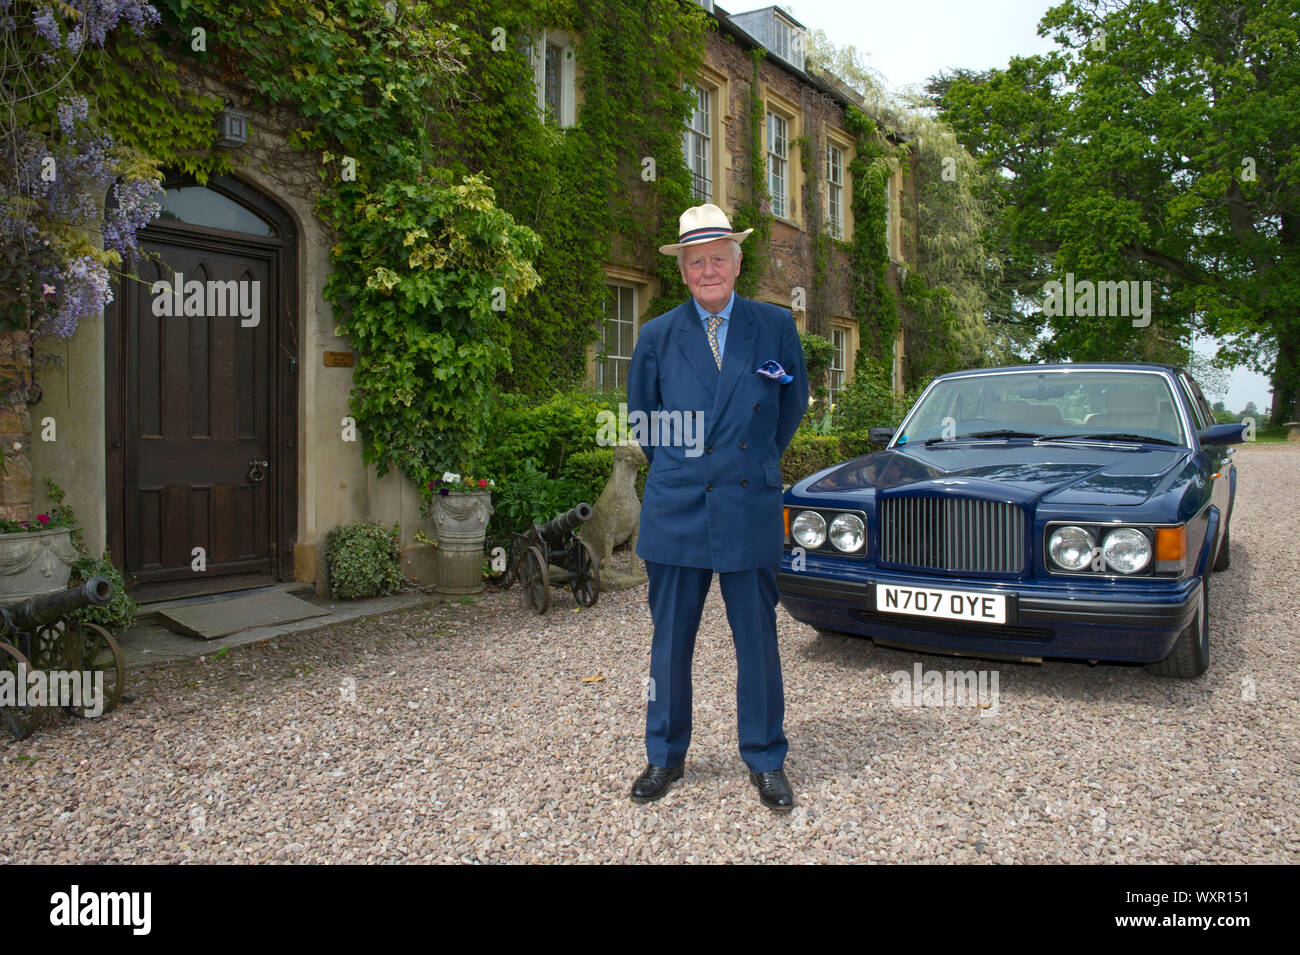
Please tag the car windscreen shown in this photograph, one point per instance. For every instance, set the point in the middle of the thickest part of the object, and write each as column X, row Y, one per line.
column 1102, row 404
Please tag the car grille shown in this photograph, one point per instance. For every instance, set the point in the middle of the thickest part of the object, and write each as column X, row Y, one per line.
column 953, row 534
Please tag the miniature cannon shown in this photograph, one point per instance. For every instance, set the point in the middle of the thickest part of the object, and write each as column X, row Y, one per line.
column 554, row 543
column 38, row 634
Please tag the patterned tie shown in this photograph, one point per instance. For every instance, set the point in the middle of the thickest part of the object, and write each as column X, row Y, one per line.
column 715, row 322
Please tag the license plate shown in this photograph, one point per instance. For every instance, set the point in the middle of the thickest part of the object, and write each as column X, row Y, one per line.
column 945, row 604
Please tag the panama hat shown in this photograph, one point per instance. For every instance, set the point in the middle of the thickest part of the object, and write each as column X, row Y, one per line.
column 700, row 224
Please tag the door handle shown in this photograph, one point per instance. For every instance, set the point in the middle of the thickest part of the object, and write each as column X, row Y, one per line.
column 257, row 468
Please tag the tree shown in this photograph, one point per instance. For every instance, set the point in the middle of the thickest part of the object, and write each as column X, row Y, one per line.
column 1157, row 145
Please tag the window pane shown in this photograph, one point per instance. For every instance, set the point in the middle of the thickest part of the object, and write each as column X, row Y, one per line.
column 199, row 205
column 554, row 73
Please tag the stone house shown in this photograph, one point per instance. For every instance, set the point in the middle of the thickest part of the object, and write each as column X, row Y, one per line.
column 804, row 124
column 211, row 452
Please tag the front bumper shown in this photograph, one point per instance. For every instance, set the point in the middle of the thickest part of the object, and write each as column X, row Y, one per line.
column 1043, row 619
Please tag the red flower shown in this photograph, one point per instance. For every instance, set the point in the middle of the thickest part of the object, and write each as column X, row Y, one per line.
column 43, row 518
column 430, row 485
column 482, row 483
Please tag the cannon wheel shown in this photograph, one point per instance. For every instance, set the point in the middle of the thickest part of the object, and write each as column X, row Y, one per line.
column 514, row 560
column 20, row 721
column 536, row 580
column 51, row 648
column 98, row 652
column 585, row 582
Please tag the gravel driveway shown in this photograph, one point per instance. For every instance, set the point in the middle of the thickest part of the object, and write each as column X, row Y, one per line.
column 470, row 732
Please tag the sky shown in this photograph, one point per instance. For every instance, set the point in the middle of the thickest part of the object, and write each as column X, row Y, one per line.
column 911, row 41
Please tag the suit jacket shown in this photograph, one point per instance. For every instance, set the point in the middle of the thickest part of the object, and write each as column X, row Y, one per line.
column 715, row 504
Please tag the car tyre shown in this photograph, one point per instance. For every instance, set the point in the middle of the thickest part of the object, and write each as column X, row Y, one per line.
column 1223, row 559
column 1190, row 656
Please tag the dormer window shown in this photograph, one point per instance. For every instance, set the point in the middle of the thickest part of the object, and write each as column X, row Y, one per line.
column 787, row 42
column 777, row 31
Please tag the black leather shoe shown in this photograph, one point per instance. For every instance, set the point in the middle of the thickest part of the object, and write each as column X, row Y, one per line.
column 774, row 790
column 654, row 782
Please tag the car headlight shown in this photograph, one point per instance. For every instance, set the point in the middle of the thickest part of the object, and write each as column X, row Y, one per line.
column 1126, row 550
column 809, row 529
column 1071, row 547
column 848, row 533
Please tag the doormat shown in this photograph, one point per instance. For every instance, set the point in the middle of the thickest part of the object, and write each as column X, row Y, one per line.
column 228, row 615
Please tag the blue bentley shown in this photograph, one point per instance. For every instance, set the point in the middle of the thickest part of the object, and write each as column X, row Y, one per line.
column 1068, row 511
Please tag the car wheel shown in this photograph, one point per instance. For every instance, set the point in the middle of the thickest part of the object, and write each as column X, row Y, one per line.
column 1224, row 559
column 1190, row 656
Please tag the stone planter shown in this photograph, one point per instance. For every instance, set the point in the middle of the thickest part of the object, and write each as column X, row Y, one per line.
column 36, row 562
column 460, row 522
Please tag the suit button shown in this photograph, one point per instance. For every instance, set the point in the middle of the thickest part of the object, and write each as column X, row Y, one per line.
column 743, row 445
column 756, row 406
column 744, row 482
column 708, row 487
column 709, row 449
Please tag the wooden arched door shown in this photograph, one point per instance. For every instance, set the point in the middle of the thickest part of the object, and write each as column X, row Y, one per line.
column 202, row 396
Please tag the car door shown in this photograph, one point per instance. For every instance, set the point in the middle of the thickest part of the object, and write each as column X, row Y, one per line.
column 1218, row 458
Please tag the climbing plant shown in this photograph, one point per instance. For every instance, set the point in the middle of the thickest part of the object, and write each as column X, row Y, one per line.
column 755, row 211
column 571, row 184
column 90, row 108
column 873, row 299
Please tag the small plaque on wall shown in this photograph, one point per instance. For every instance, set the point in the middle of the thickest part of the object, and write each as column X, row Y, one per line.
column 338, row 359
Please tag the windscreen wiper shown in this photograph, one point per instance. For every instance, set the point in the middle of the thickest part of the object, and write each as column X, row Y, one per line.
column 1003, row 433
column 1117, row 436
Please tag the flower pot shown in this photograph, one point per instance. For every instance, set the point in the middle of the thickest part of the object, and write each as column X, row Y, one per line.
column 35, row 562
column 460, row 521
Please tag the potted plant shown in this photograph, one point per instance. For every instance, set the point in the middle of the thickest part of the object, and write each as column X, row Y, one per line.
column 460, row 507
column 36, row 556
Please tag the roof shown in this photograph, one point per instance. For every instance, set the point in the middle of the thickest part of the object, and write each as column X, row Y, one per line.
column 832, row 87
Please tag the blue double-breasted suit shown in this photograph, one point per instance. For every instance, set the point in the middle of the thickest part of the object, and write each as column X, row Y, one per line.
column 716, row 508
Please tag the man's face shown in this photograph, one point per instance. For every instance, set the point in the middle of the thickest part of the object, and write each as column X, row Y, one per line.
column 709, row 271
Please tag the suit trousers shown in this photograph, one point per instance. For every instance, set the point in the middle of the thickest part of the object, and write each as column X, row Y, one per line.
column 676, row 602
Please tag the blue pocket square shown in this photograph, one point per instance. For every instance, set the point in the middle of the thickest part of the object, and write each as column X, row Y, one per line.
column 772, row 369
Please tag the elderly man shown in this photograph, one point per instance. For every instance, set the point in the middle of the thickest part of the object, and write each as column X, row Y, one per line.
column 738, row 365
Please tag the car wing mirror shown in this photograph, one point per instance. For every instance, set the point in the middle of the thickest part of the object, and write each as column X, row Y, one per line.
column 880, row 436
column 1220, row 434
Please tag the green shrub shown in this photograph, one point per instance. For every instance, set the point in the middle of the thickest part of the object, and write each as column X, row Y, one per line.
column 362, row 560
column 591, row 470
column 530, row 497
column 116, row 615
column 855, row 444
column 868, row 401
column 809, row 453
column 545, row 433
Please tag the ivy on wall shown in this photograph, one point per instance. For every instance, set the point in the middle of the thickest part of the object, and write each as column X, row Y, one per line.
column 452, row 199
column 609, row 188
column 755, row 212
column 874, row 302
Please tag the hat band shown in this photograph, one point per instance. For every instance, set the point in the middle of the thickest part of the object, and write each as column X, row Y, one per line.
column 708, row 232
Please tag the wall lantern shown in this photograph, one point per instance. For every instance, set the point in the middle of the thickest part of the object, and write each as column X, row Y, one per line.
column 232, row 126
